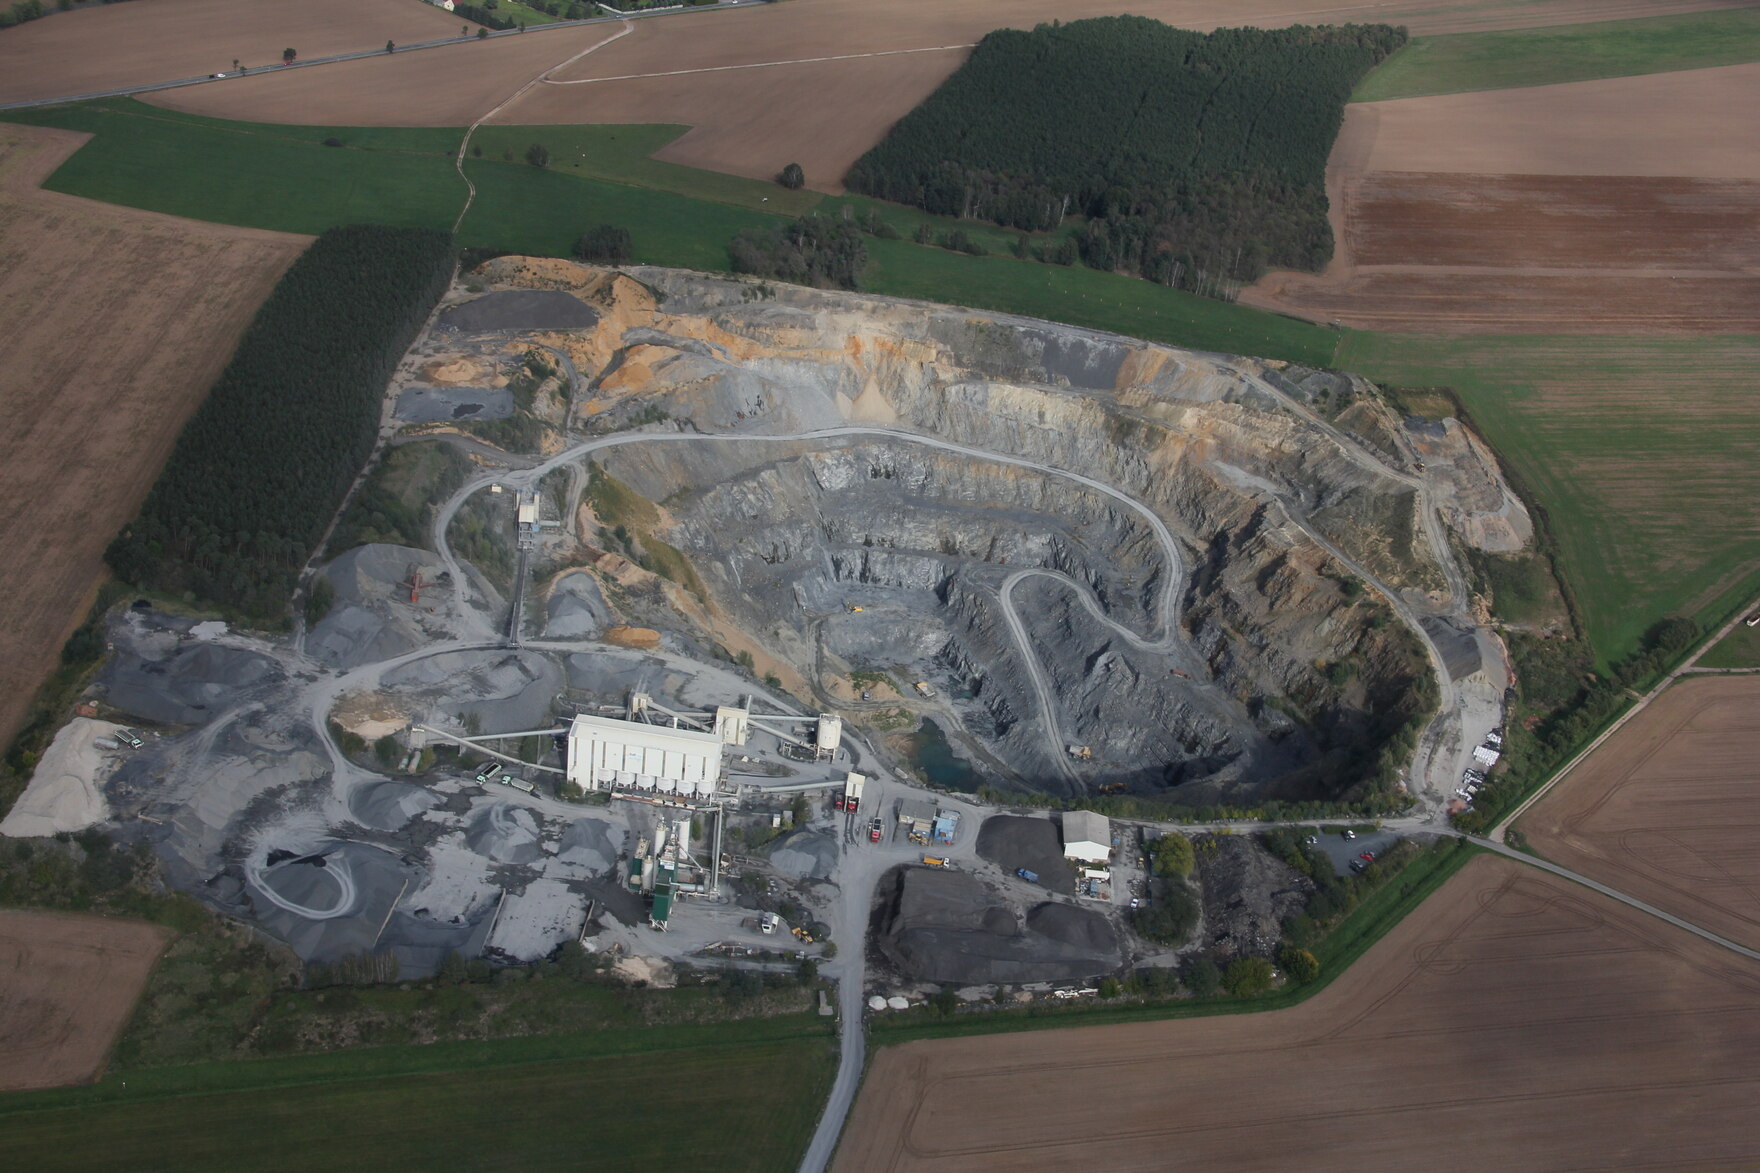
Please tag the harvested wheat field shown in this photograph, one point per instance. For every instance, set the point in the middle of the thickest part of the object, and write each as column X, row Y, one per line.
column 1514, row 1022
column 1626, row 206
column 118, row 322
column 453, row 85
column 117, row 45
column 754, row 83
column 1669, row 807
column 67, row 986
column 1442, row 300
column 1692, row 122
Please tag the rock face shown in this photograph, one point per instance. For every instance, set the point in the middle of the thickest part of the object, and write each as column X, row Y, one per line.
column 1246, row 662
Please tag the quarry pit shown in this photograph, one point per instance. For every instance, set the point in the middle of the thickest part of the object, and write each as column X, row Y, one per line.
column 1080, row 565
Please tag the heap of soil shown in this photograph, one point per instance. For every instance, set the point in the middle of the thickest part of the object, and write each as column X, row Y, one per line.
column 625, row 636
column 1247, row 893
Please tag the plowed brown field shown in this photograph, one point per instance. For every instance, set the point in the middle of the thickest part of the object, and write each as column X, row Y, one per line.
column 1693, row 122
column 117, row 323
column 1626, row 206
column 1516, row 1022
column 67, row 986
column 118, row 45
column 753, row 82
column 1668, row 808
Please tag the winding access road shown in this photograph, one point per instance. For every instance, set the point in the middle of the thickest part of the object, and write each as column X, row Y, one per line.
column 1168, row 641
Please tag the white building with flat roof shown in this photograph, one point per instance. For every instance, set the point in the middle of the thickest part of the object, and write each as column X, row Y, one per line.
column 1087, row 836
column 605, row 753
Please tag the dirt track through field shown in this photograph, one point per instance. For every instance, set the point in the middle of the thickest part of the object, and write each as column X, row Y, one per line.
column 825, row 95
column 118, row 322
column 1669, row 808
column 67, row 986
column 1515, row 1022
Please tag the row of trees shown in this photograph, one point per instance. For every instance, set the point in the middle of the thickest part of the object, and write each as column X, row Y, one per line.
column 24, row 10
column 1199, row 159
column 813, row 250
column 258, row 471
column 1570, row 703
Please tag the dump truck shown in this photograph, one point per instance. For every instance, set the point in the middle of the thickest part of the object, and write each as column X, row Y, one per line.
column 487, row 773
column 934, row 861
column 1029, row 877
column 924, row 688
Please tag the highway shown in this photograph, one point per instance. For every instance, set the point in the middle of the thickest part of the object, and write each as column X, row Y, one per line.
column 413, row 47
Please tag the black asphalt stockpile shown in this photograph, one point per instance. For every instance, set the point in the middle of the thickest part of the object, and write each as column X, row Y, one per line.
column 1013, row 842
column 948, row 927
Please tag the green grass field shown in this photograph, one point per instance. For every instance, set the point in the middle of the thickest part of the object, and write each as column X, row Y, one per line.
column 283, row 177
column 1464, row 62
column 1637, row 449
column 737, row 1096
column 1643, row 452
column 1739, row 649
column 1087, row 297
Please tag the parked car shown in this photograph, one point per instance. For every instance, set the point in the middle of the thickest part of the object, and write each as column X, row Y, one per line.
column 1349, row 834
column 1358, row 865
column 1311, row 840
column 1367, row 856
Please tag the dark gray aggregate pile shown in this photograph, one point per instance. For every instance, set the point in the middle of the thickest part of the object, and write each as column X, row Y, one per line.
column 519, row 309
column 1014, row 841
column 424, row 404
column 187, row 686
column 948, row 927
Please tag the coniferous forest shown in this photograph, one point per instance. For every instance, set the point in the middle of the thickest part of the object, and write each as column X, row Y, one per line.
column 260, row 468
column 1199, row 159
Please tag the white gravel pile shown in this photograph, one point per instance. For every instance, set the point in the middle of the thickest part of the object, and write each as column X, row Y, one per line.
column 63, row 794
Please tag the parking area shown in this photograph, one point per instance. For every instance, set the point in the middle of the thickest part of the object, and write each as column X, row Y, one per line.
column 1342, row 851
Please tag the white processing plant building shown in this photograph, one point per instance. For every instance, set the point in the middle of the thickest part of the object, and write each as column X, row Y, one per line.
column 608, row 753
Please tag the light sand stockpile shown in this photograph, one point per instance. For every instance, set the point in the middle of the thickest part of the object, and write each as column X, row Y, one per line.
column 71, row 982
column 63, row 794
column 114, row 46
column 1576, row 1022
column 118, row 322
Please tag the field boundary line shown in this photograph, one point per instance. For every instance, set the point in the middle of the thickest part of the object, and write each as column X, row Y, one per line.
column 1496, row 835
column 95, row 1093
column 586, row 81
column 458, row 161
column 1613, row 893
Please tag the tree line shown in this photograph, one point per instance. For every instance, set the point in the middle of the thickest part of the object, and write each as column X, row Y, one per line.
column 260, row 468
column 1198, row 159
column 813, row 250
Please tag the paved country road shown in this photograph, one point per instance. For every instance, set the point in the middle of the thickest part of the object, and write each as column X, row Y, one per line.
column 317, row 62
